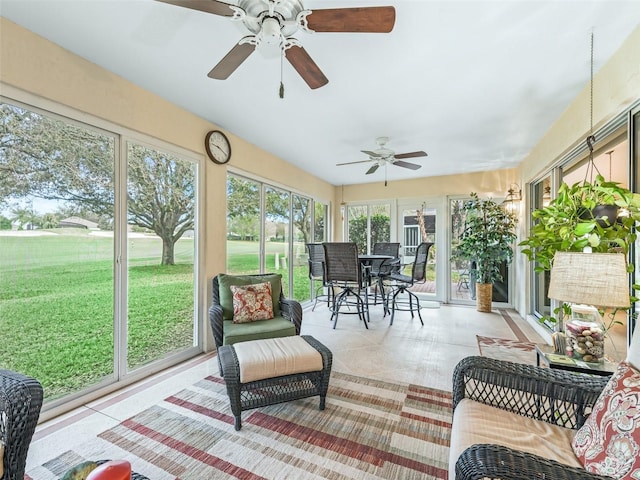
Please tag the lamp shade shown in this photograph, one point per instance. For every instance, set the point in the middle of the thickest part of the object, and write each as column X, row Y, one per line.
column 598, row 279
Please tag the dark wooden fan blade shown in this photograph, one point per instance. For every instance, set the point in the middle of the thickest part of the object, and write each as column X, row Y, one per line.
column 209, row 6
column 412, row 166
column 371, row 154
column 306, row 67
column 351, row 163
column 231, row 61
column 372, row 169
column 410, row 155
column 358, row 19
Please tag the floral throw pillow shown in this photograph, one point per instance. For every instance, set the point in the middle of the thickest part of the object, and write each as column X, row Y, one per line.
column 252, row 302
column 609, row 441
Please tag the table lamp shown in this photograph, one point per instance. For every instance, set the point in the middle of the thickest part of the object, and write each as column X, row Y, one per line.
column 598, row 279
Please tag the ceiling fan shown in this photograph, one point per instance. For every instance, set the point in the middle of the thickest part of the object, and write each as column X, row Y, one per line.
column 273, row 22
column 384, row 156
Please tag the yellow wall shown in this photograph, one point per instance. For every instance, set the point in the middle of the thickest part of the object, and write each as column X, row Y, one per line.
column 492, row 184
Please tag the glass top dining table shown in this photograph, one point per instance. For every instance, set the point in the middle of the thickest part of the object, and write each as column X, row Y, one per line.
column 366, row 261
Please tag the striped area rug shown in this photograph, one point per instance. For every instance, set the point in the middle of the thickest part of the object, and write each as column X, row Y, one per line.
column 369, row 430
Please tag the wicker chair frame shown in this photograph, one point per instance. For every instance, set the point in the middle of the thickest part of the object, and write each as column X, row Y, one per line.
column 553, row 396
column 291, row 310
column 270, row 391
column 20, row 403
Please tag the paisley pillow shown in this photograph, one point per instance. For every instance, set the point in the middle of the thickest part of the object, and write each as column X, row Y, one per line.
column 609, row 441
column 252, row 302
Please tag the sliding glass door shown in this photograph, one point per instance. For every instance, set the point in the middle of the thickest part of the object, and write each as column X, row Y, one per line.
column 418, row 224
column 268, row 229
column 161, row 213
column 97, row 253
column 368, row 225
column 461, row 270
column 541, row 196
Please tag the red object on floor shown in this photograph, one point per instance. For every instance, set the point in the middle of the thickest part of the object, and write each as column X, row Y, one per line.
column 111, row 470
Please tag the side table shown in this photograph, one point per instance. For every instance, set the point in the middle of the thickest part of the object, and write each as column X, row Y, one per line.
column 546, row 354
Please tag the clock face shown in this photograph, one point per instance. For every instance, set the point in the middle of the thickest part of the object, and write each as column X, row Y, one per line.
column 218, row 147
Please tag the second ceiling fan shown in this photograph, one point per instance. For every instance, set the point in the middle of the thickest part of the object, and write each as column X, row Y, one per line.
column 384, row 156
column 273, row 22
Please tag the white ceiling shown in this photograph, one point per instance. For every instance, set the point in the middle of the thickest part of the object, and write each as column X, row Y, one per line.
column 473, row 83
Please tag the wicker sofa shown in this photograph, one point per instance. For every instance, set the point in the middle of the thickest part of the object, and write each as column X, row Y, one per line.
column 20, row 404
column 515, row 421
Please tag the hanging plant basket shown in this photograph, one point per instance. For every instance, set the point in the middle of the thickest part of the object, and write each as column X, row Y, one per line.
column 605, row 215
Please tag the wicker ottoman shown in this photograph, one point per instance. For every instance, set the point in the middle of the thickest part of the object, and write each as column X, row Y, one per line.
column 265, row 372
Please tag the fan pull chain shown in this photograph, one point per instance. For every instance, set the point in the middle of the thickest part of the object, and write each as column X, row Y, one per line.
column 281, row 92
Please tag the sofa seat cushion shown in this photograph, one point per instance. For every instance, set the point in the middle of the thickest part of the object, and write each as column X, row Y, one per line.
column 477, row 423
column 258, row 330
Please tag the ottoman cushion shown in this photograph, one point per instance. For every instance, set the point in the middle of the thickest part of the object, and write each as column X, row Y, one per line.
column 275, row 357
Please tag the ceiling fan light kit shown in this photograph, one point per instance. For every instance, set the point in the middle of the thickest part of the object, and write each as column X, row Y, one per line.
column 273, row 22
column 383, row 156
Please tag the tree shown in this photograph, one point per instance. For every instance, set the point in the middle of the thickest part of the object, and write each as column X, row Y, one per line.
column 161, row 194
column 5, row 223
column 23, row 217
column 243, row 200
column 243, row 208
column 47, row 158
column 380, row 230
column 49, row 220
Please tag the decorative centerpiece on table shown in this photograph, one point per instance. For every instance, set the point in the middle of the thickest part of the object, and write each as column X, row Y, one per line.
column 585, row 334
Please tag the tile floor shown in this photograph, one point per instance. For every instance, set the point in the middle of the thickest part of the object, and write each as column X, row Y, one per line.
column 404, row 351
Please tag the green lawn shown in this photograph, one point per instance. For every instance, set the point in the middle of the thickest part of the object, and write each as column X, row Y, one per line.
column 57, row 303
column 243, row 258
column 57, row 306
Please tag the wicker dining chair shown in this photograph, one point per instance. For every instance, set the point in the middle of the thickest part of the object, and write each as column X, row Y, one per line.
column 404, row 282
column 344, row 272
column 20, row 403
column 317, row 274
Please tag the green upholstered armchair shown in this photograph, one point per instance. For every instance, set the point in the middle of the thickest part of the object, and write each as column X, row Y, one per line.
column 288, row 313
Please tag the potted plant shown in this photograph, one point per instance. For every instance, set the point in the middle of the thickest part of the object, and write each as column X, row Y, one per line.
column 600, row 216
column 486, row 241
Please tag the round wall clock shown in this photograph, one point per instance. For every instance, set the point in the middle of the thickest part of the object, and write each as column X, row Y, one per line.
column 218, row 148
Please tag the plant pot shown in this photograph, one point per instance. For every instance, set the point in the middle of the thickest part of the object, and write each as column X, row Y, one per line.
column 484, row 292
column 600, row 211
